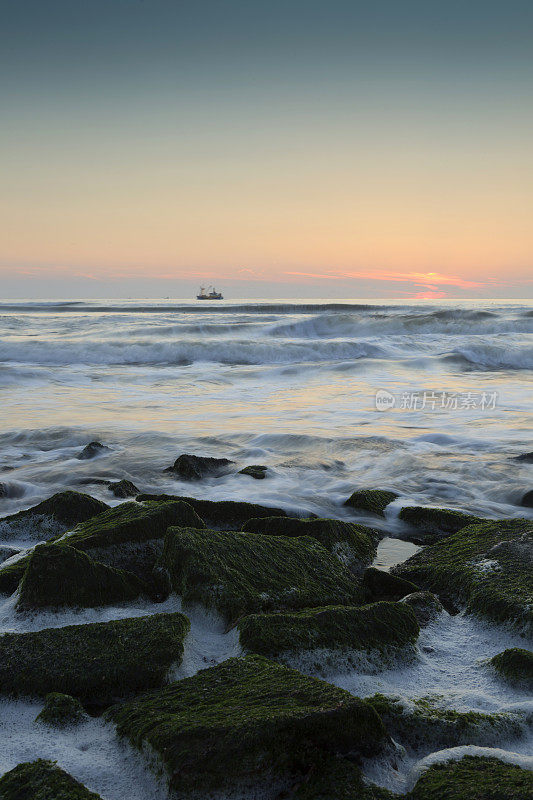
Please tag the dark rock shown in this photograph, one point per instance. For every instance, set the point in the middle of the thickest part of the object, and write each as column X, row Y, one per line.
column 61, row 710
column 381, row 585
column 255, row 471
column 123, row 488
column 473, row 778
column 516, row 666
column 335, row 777
column 220, row 514
column 7, row 552
column 373, row 500
column 92, row 450
column 527, row 499
column 42, row 780
column 194, row 468
column 426, row 606
column 527, row 457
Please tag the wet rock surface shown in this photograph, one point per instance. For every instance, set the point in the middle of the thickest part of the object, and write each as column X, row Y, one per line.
column 193, row 468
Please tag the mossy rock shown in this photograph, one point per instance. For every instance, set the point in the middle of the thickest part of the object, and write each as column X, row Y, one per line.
column 52, row 517
column 193, row 468
column 246, row 719
column 426, row 606
column 97, row 663
column 381, row 585
column 485, row 568
column 355, row 545
column 379, row 626
column 373, row 500
column 221, row 514
column 421, row 726
column 337, row 778
column 58, row 575
column 42, row 780
column 123, row 488
column 474, row 778
column 516, row 666
column 92, row 450
column 11, row 575
column 257, row 471
column 241, row 573
column 435, row 523
column 61, row 710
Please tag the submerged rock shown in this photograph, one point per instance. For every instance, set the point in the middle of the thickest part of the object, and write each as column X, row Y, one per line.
column 381, row 585
column 221, row 514
column 376, row 627
column 516, row 666
column 246, row 720
column 92, row 450
column 435, row 523
column 527, row 499
column 420, row 726
column 426, row 606
column 98, row 662
column 194, row 468
column 473, row 778
column 485, row 568
column 52, row 517
column 373, row 500
column 241, row 573
column 355, row 545
column 42, row 780
column 123, row 488
column 61, row 710
column 527, row 457
column 257, row 471
column 58, row 575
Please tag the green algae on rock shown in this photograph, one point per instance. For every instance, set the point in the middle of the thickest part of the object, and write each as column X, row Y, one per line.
column 58, row 575
column 515, row 665
column 484, row 567
column 246, row 719
column 241, row 573
column 421, row 725
column 42, row 780
column 52, row 517
column 378, row 627
column 123, row 488
column 337, row 778
column 435, row 523
column 98, row 662
column 355, row 545
column 474, row 778
column 426, row 606
column 381, row 585
column 373, row 500
column 61, row 710
column 257, row 471
column 221, row 514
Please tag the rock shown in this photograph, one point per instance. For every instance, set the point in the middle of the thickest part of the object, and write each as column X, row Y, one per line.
column 123, row 488
column 61, row 710
column 334, row 777
column 435, row 523
column 354, row 545
column 194, row 468
column 426, row 606
column 242, row 573
column 98, row 662
column 515, row 665
column 3, row 490
column 381, row 585
column 527, row 457
column 220, row 514
column 256, row 471
column 42, row 780
column 92, row 450
column 373, row 500
column 246, row 720
column 420, row 726
column 473, row 778
column 485, row 568
column 379, row 626
column 58, row 575
column 7, row 552
column 527, row 499
column 52, row 517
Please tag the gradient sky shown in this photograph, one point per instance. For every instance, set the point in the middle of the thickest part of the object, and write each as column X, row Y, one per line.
column 335, row 149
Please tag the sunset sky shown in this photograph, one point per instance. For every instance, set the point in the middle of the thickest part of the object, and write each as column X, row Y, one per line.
column 334, row 149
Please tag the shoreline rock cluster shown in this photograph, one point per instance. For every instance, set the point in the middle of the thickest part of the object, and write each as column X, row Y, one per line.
column 288, row 587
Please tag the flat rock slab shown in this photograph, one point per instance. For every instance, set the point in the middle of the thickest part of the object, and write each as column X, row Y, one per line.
column 242, row 573
column 247, row 718
column 98, row 663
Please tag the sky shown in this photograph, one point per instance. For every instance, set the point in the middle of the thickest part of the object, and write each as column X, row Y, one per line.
column 279, row 149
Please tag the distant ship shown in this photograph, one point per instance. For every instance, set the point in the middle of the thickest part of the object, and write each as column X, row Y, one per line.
column 210, row 294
